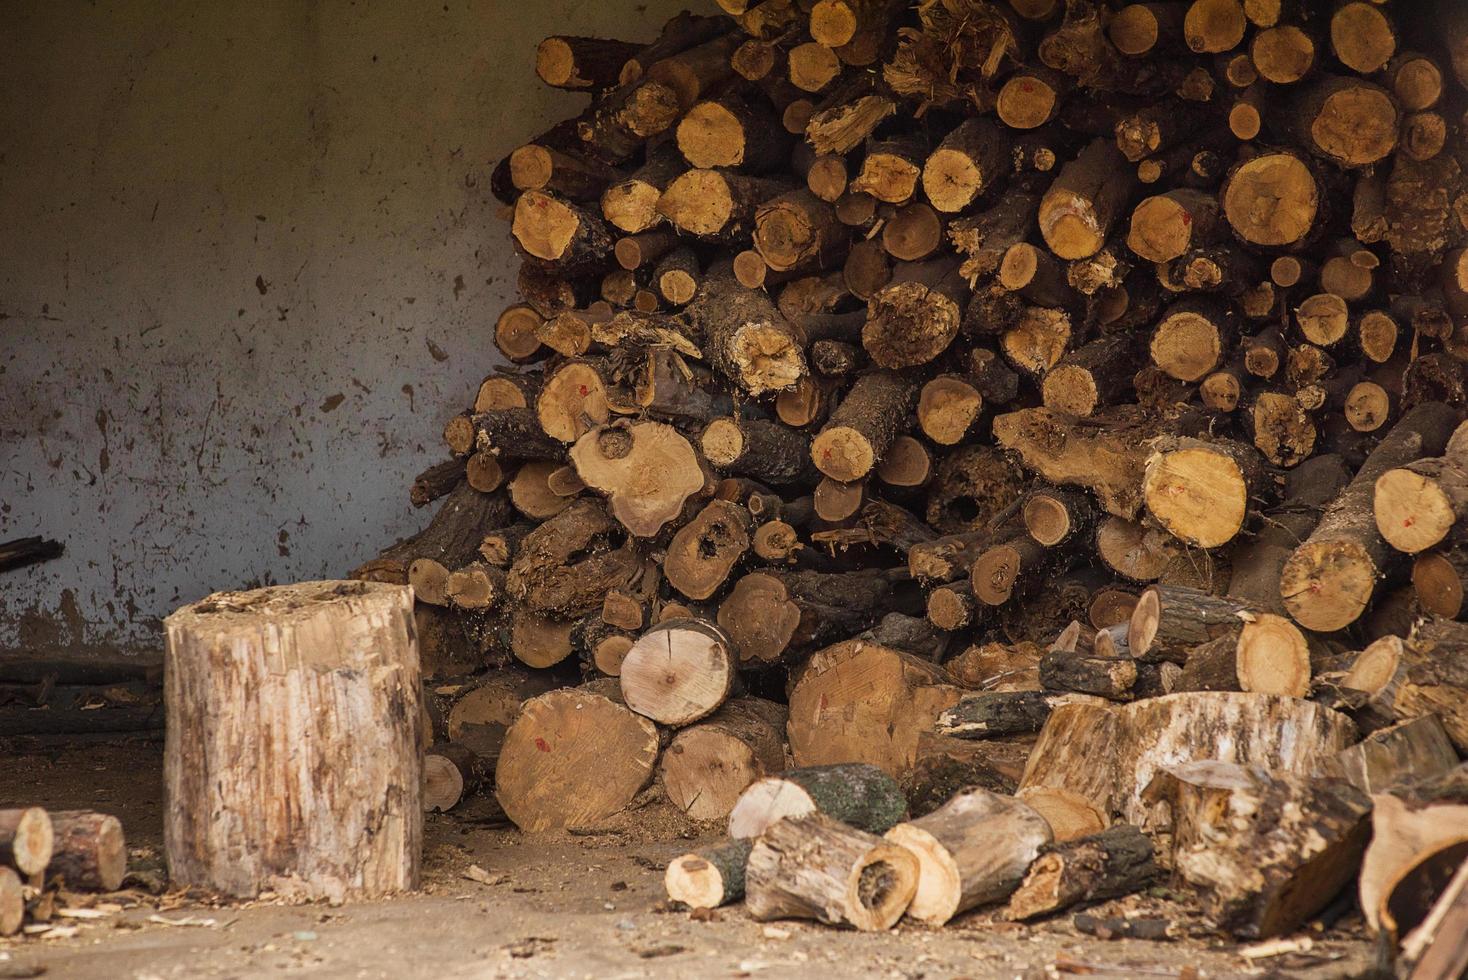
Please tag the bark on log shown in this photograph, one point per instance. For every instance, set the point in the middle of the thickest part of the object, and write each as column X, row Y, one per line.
column 1328, row 581
column 816, row 868
column 709, row 877
column 854, row 793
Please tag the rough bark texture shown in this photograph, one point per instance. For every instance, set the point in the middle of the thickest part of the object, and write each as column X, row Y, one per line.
column 327, row 672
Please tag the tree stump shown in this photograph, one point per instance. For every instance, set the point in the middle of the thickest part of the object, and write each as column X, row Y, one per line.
column 292, row 761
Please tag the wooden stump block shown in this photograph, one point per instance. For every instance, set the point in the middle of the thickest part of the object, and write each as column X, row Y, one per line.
column 292, row 760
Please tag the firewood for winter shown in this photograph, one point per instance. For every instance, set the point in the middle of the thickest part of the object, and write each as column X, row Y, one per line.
column 1405, row 752
column 603, row 752
column 857, row 794
column 860, row 702
column 814, row 867
column 972, row 851
column 706, row 766
column 709, row 877
column 944, row 765
column 1266, row 850
column 1329, row 579
column 679, row 671
column 1116, row 861
column 27, row 839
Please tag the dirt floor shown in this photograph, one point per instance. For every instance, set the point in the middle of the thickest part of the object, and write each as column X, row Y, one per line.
column 589, row 905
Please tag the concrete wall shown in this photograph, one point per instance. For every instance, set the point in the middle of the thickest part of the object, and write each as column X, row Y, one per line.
column 249, row 268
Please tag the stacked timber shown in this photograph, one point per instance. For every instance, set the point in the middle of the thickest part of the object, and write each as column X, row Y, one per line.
column 42, row 851
column 1000, row 387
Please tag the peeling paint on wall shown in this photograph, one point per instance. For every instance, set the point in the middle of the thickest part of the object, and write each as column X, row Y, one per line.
column 250, row 268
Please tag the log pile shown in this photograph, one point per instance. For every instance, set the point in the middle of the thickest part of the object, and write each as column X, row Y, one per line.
column 977, row 390
column 42, row 852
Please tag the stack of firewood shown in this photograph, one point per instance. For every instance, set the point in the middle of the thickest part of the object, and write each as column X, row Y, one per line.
column 1103, row 359
column 40, row 852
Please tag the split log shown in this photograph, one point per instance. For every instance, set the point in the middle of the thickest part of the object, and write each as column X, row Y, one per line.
column 707, row 766
column 854, row 793
column 1417, row 827
column 1116, row 861
column 972, row 851
column 1328, row 581
column 602, row 754
column 239, row 663
column 1266, row 850
column 709, row 877
column 679, row 671
column 813, row 867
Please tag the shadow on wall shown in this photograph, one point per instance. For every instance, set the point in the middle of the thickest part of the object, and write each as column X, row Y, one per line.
column 252, row 267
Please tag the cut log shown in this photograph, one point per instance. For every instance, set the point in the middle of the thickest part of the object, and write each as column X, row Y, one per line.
column 564, row 237
column 1272, row 199
column 1328, row 581
column 479, row 718
column 858, row 702
column 854, row 793
column 1087, row 198
column 709, row 877
column 1116, row 861
column 571, row 760
column 344, row 818
column 12, row 902
column 707, row 766
column 746, row 338
column 1266, row 850
column 1417, row 506
column 816, row 868
column 704, row 550
column 679, row 671
column 860, row 430
column 1170, row 620
column 765, row 451
column 997, row 714
column 913, row 319
column 27, row 839
column 1402, row 753
column 1416, row 827
column 1202, row 491
column 90, row 853
column 646, row 469
column 972, row 851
